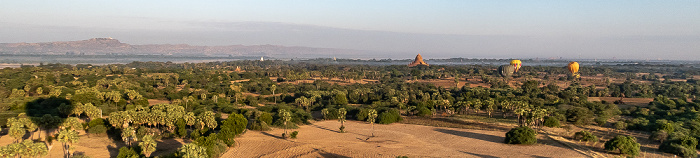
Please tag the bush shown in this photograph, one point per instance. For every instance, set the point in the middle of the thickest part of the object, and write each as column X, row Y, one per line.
column 521, row 135
column 620, row 125
column 215, row 147
column 259, row 125
column 362, row 115
column 585, row 136
column 294, row 134
column 389, row 116
column 98, row 129
column 579, row 115
column 627, row 145
column 126, row 152
column 181, row 128
column 423, row 111
column 681, row 145
column 265, row 117
column 551, row 122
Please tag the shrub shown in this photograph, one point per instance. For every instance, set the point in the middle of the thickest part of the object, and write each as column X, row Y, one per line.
column 389, row 116
column 627, row 145
column 214, row 146
column 521, row 135
column 423, row 111
column 265, row 117
column 620, row 125
column 294, row 134
column 98, row 129
column 681, row 145
column 551, row 122
column 659, row 135
column 579, row 115
column 585, row 136
column 259, row 125
column 181, row 128
column 126, row 152
column 362, row 115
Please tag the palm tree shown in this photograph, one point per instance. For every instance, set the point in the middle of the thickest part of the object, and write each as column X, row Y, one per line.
column 128, row 134
column 67, row 137
column 341, row 117
column 371, row 116
column 148, row 145
column 286, row 116
column 273, row 88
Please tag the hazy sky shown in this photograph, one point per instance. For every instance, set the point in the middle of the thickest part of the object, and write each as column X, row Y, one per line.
column 589, row 29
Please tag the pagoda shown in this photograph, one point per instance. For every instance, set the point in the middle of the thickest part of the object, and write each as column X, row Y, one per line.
column 418, row 61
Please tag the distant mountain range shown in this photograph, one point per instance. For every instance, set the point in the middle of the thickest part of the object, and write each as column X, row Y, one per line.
column 105, row 46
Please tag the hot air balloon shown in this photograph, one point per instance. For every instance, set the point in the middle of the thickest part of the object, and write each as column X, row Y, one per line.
column 517, row 64
column 573, row 68
column 506, row 70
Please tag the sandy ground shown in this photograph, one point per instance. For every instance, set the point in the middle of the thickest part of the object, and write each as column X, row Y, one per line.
column 322, row 139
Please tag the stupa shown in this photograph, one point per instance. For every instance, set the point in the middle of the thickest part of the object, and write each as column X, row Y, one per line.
column 418, row 61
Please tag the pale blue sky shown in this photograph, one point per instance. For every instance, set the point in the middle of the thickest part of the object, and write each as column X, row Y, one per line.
column 460, row 28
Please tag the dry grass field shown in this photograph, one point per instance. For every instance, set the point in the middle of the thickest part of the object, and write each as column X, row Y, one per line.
column 322, row 139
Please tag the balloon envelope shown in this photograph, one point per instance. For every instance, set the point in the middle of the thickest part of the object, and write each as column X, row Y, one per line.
column 517, row 64
column 506, row 70
column 573, row 67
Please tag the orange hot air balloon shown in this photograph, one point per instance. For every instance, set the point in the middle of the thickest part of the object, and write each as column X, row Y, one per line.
column 573, row 67
column 516, row 64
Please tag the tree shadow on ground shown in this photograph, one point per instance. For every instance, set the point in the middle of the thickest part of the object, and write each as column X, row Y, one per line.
column 479, row 155
column 44, row 112
column 324, row 128
column 484, row 137
column 330, row 155
column 168, row 146
column 272, row 135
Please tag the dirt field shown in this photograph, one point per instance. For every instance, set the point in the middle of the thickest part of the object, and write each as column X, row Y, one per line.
column 157, row 101
column 629, row 102
column 322, row 139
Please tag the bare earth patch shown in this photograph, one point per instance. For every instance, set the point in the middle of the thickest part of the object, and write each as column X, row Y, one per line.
column 322, row 139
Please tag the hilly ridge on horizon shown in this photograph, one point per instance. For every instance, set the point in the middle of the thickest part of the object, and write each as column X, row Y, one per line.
column 103, row 46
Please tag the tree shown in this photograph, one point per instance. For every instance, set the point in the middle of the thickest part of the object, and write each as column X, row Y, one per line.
column 233, row 126
column 371, row 116
column 477, row 105
column 72, row 123
column 192, row 150
column 303, row 102
column 286, row 117
column 627, row 145
column 67, row 137
column 207, row 119
column 32, row 149
column 128, row 134
column 341, row 117
column 521, row 135
column 490, row 106
column 148, row 145
column 273, row 88
column 16, row 129
column 324, row 113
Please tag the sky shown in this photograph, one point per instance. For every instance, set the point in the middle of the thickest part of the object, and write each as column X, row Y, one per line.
column 591, row 29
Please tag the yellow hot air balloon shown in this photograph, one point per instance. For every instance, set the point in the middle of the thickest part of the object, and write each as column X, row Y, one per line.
column 517, row 64
column 573, row 67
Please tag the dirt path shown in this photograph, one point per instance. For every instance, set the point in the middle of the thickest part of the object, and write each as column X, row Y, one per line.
column 322, row 139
